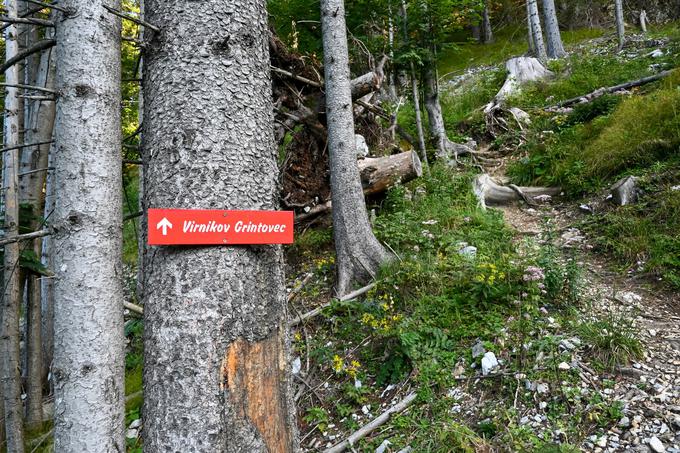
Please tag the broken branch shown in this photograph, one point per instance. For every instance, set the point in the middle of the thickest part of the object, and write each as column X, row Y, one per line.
column 24, row 237
column 37, row 47
column 132, row 19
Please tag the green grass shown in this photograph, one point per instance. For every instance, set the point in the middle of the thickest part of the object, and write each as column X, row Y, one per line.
column 509, row 42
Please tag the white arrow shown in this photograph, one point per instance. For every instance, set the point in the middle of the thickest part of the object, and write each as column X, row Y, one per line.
column 164, row 224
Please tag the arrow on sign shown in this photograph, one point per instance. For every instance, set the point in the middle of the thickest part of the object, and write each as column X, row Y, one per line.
column 164, row 224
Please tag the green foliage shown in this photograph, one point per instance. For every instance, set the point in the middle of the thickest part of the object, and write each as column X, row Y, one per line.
column 584, row 113
column 612, row 340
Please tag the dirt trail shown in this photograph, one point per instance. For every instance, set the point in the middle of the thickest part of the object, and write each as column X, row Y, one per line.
column 648, row 388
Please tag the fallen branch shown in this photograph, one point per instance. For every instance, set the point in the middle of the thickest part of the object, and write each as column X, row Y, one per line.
column 25, row 145
column 296, row 77
column 316, row 311
column 132, row 19
column 134, row 308
column 27, row 87
column 25, row 237
column 608, row 90
column 375, row 423
column 22, row 20
column 37, row 47
column 49, row 5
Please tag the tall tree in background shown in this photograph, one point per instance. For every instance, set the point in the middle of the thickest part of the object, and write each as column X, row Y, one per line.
column 535, row 31
column 88, row 320
column 552, row 30
column 10, row 366
column 215, row 328
column 620, row 24
column 39, row 122
column 487, row 32
column 358, row 253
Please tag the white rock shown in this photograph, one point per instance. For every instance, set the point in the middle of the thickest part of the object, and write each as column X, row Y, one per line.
column 656, row 445
column 131, row 433
column 135, row 424
column 357, row 384
column 478, row 350
column 489, row 362
column 542, row 388
column 365, row 409
column 627, row 297
column 625, row 191
column 296, row 365
column 383, row 446
column 564, row 366
column 468, row 252
column 656, row 53
column 362, row 147
column 602, row 441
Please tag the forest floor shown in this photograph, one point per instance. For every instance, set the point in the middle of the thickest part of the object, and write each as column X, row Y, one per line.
column 542, row 341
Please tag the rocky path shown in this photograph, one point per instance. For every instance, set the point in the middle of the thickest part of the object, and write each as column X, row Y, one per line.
column 649, row 388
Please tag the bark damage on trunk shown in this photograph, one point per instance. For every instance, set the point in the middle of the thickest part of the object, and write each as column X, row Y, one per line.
column 215, row 370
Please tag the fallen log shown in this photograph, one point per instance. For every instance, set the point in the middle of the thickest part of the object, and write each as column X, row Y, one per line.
column 608, row 90
column 489, row 192
column 377, row 175
column 380, row 173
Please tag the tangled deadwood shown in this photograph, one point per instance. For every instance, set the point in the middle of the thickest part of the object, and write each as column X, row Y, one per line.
column 301, row 124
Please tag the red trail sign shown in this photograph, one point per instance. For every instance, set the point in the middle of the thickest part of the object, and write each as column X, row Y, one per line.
column 203, row 227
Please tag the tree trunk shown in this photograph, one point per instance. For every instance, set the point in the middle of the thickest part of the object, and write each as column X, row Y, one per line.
column 34, row 165
column 434, row 109
column 47, row 284
column 10, row 374
column 620, row 26
column 643, row 21
column 415, row 93
column 536, row 31
column 359, row 254
column 487, row 34
column 530, row 31
column 215, row 337
column 552, row 30
column 88, row 364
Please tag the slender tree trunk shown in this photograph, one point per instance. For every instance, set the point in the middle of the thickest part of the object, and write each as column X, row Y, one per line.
column 530, row 31
column 552, row 30
column 415, row 93
column 392, row 88
column 487, row 35
column 47, row 283
column 536, row 31
column 643, row 21
column 215, row 328
column 88, row 364
column 359, row 255
column 34, row 162
column 620, row 26
column 434, row 110
column 10, row 374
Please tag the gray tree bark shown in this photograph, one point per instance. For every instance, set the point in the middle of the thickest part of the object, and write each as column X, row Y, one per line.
column 359, row 255
column 215, row 337
column 530, row 32
column 536, row 31
column 88, row 364
column 10, row 374
column 487, row 32
column 34, row 160
column 643, row 21
column 47, row 284
column 620, row 25
column 552, row 30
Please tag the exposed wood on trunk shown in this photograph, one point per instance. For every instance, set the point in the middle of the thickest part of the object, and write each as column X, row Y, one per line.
column 489, row 192
column 607, row 90
column 372, row 425
column 250, row 374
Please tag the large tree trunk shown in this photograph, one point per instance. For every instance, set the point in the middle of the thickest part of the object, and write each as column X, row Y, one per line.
column 536, row 31
column 215, row 335
column 487, row 32
column 10, row 375
column 88, row 317
column 620, row 25
column 552, row 30
column 34, row 168
column 47, row 284
column 444, row 146
column 359, row 254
